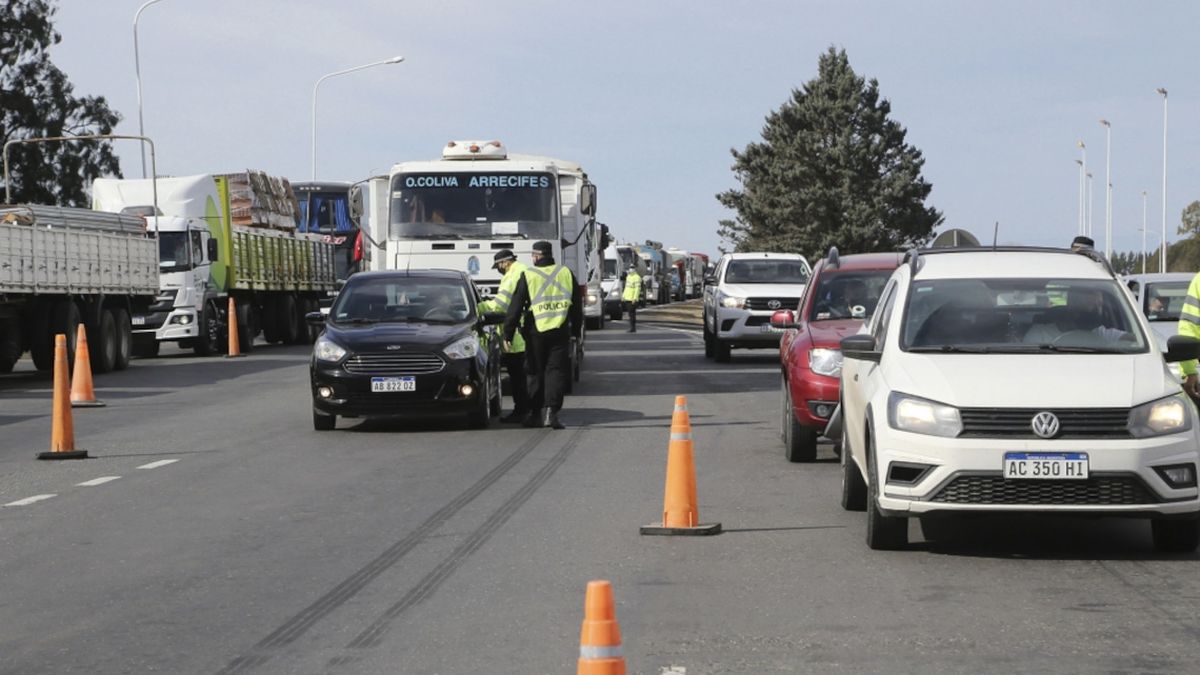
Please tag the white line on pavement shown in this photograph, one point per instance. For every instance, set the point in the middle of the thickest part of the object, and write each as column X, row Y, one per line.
column 30, row 500
column 155, row 465
column 97, row 481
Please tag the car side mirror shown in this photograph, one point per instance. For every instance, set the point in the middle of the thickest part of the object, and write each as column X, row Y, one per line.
column 213, row 250
column 861, row 347
column 710, row 279
column 784, row 319
column 315, row 318
column 493, row 318
column 1181, row 348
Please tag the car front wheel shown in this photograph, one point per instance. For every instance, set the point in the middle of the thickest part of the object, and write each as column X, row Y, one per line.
column 1175, row 536
column 884, row 533
column 799, row 441
column 854, row 491
column 323, row 422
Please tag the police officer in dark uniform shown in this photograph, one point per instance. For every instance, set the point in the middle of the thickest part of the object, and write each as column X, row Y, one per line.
column 551, row 302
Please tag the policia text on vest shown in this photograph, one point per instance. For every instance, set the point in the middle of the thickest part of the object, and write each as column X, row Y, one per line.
column 547, row 306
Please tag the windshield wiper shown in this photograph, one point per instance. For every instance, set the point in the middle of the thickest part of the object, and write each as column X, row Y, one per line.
column 1072, row 349
column 358, row 321
column 948, row 349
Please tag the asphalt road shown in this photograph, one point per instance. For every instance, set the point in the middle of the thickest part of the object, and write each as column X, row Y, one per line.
column 265, row 547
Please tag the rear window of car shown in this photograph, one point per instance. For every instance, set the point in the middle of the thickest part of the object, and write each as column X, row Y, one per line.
column 1019, row 316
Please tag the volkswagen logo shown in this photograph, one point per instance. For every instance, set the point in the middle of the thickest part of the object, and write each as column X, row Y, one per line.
column 774, row 304
column 1045, row 424
column 392, row 348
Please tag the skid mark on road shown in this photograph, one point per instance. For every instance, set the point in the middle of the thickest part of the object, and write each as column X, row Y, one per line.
column 374, row 633
column 300, row 623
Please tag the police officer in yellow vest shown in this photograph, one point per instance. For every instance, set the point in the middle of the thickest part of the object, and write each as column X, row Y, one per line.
column 1189, row 324
column 513, row 357
column 631, row 296
column 549, row 301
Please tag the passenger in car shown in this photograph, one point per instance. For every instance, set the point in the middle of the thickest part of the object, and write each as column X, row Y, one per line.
column 1084, row 312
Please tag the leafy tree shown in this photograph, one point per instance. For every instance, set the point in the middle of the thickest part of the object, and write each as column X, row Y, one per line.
column 832, row 169
column 36, row 99
column 1190, row 220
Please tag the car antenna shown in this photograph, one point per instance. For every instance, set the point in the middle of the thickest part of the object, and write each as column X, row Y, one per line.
column 995, row 235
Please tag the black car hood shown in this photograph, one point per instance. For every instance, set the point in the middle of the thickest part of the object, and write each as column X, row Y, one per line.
column 379, row 336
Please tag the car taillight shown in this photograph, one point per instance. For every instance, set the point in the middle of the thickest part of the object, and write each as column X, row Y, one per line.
column 358, row 247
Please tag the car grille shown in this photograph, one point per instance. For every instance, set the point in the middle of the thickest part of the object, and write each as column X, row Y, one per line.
column 761, row 304
column 1097, row 490
column 394, row 364
column 1016, row 422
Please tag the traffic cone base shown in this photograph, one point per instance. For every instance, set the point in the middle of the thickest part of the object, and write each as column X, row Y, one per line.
column 62, row 428
column 88, row 404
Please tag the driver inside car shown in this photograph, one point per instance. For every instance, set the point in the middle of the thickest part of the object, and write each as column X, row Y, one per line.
column 1084, row 312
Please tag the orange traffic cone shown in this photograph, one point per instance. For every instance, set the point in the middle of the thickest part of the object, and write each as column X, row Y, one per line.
column 235, row 348
column 600, row 636
column 62, row 429
column 681, row 511
column 82, row 394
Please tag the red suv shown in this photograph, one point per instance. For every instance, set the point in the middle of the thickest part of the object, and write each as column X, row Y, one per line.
column 840, row 296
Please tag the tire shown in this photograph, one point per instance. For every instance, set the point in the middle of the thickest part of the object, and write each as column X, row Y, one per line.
column 105, row 341
column 854, row 490
column 209, row 341
column 481, row 416
column 246, row 329
column 10, row 345
column 66, row 320
column 721, row 350
column 285, row 318
column 884, row 533
column 269, row 320
column 616, row 316
column 709, row 350
column 41, row 340
column 594, row 323
column 497, row 403
column 799, row 441
column 1175, row 536
column 125, row 338
column 146, row 348
column 323, row 422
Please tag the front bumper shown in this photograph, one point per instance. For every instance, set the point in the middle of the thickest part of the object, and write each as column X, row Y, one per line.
column 746, row 328
column 966, row 475
column 167, row 326
column 436, row 394
column 812, row 395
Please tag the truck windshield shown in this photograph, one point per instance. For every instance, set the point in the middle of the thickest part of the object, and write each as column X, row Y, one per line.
column 610, row 268
column 324, row 211
column 173, row 252
column 512, row 205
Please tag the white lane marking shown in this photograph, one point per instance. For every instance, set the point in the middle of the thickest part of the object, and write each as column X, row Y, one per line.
column 97, row 481
column 155, row 465
column 30, row 500
column 672, row 670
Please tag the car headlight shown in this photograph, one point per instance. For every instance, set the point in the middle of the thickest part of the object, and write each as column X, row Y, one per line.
column 327, row 350
column 908, row 413
column 614, row 294
column 732, row 302
column 592, row 298
column 826, row 362
column 1157, row 418
column 464, row 348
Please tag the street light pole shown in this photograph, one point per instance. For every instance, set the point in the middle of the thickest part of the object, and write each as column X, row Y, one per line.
column 1090, row 194
column 1108, row 188
column 137, row 72
column 1143, row 231
column 394, row 59
column 1081, row 183
column 1162, row 263
column 1082, row 161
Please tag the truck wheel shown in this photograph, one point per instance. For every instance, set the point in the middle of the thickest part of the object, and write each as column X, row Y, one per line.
column 105, row 342
column 269, row 320
column 285, row 317
column 124, row 338
column 10, row 345
column 41, row 340
column 66, row 321
column 146, row 347
column 246, row 328
column 209, row 341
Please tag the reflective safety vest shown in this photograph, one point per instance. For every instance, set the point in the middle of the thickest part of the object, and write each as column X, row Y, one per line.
column 1189, row 320
column 549, row 296
column 503, row 298
column 633, row 287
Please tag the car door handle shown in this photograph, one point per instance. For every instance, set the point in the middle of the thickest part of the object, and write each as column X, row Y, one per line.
column 856, row 377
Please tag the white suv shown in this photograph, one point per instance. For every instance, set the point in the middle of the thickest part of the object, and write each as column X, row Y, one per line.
column 1015, row 380
column 742, row 294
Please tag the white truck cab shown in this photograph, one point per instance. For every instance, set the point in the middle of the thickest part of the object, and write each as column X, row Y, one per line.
column 612, row 283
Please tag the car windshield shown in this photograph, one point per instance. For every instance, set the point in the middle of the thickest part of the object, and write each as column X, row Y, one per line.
column 474, row 206
column 399, row 299
column 847, row 295
column 1020, row 316
column 1163, row 301
column 766, row 271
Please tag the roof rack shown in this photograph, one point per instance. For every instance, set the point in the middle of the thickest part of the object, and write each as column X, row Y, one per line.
column 912, row 255
column 832, row 261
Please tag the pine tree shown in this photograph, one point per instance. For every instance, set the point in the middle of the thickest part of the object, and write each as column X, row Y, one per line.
column 36, row 100
column 832, row 170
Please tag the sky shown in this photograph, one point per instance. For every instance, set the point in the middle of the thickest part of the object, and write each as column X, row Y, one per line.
column 650, row 96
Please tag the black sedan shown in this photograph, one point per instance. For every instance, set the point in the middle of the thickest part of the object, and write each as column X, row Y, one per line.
column 406, row 344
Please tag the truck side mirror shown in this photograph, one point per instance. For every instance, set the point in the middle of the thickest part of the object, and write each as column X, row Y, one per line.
column 356, row 205
column 213, row 251
column 587, row 200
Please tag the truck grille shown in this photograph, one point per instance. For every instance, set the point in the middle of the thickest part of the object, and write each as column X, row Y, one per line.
column 1097, row 490
column 394, row 364
column 763, row 304
column 1016, row 422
